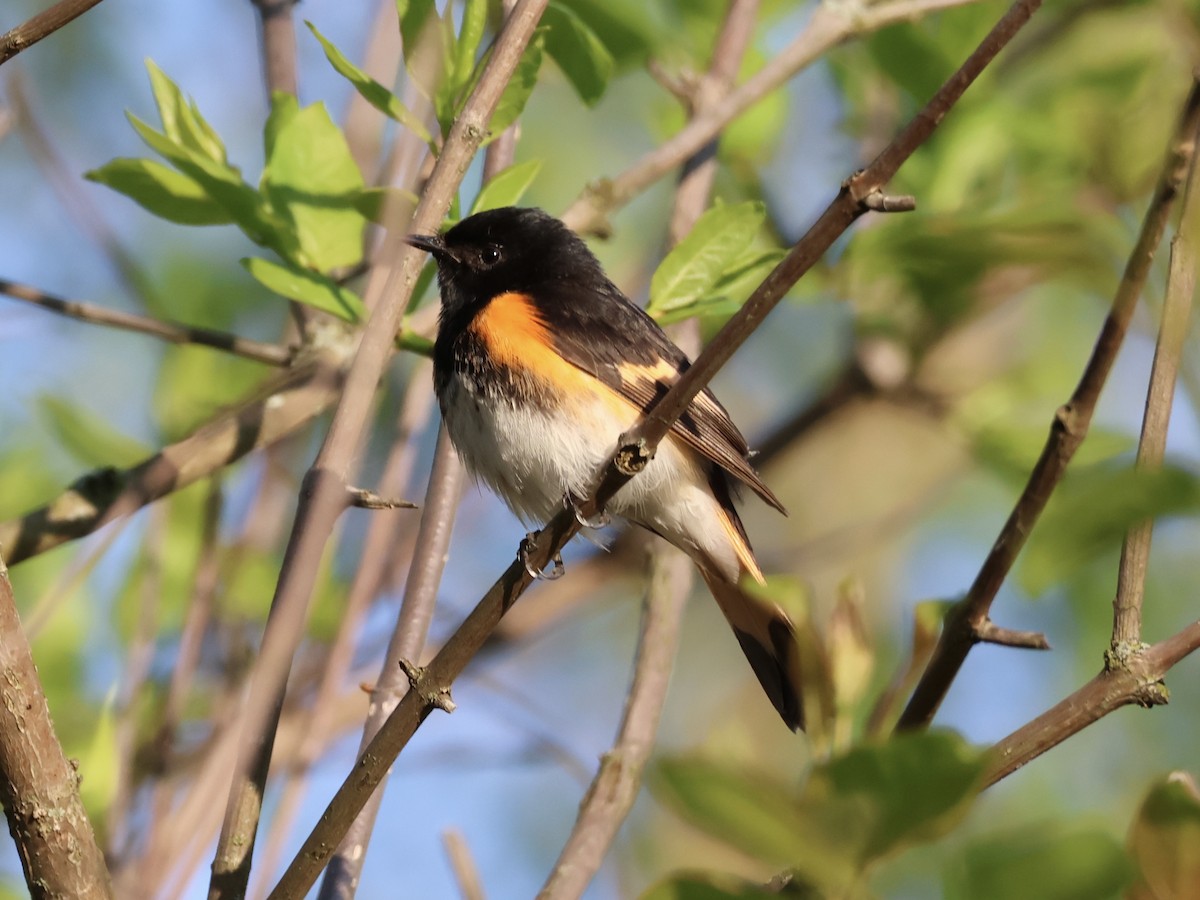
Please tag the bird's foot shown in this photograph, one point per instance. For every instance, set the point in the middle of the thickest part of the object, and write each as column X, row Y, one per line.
column 553, row 573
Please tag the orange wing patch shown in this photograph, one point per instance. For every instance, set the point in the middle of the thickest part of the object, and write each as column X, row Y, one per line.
column 516, row 336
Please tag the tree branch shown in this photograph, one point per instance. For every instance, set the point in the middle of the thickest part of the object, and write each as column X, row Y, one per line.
column 271, row 354
column 632, row 452
column 961, row 629
column 323, row 494
column 39, row 787
column 40, row 26
column 278, row 34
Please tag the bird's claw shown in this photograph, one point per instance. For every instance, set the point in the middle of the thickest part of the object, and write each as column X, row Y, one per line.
column 600, row 521
column 556, row 570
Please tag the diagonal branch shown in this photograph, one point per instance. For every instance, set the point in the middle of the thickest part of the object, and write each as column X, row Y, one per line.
column 963, row 623
column 271, row 354
column 41, row 26
column 433, row 682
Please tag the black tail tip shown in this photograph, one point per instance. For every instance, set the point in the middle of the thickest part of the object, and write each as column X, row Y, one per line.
column 771, row 665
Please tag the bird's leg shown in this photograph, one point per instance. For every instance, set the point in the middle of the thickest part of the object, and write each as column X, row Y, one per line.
column 556, row 570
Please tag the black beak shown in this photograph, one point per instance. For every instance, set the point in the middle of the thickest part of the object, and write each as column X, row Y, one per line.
column 432, row 243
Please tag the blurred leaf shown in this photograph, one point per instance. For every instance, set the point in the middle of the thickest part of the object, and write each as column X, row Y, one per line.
column 164, row 192
column 474, row 19
column 1043, row 862
column 507, row 187
column 370, row 89
column 1164, row 841
column 312, row 177
column 692, row 269
column 26, row 480
column 1091, row 511
column 707, row 886
column 853, row 810
column 98, row 764
column 752, row 139
column 517, row 93
column 193, row 384
column 380, row 204
column 284, row 108
column 308, row 287
column 911, row 58
column 851, row 654
column 1012, row 448
column 630, row 30
column 87, row 437
column 578, row 51
column 181, row 120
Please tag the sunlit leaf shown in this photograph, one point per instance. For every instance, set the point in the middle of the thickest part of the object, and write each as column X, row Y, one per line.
column 166, row 193
column 578, row 51
column 507, row 187
column 88, row 437
column 181, row 120
column 1164, row 841
column 98, row 764
column 308, row 287
column 520, row 87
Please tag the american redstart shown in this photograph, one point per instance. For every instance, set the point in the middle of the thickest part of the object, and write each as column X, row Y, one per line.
column 541, row 363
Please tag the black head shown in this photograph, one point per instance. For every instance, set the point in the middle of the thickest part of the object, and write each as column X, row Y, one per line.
column 508, row 249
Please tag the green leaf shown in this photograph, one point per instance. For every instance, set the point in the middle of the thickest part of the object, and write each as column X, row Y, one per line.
column 474, row 19
column 693, row 268
column 87, row 437
column 578, row 51
column 1091, row 511
column 707, row 886
column 517, row 93
column 507, row 187
column 632, row 31
column 223, row 183
column 380, row 204
column 308, row 287
column 1164, row 841
column 312, row 178
column 98, row 764
column 370, row 89
column 284, row 108
column 1064, row 865
column 164, row 192
column 732, row 288
column 181, row 120
column 425, row 45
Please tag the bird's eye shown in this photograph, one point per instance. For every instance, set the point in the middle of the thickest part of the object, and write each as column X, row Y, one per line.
column 489, row 256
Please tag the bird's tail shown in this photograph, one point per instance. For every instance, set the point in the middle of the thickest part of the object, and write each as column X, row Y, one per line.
column 768, row 639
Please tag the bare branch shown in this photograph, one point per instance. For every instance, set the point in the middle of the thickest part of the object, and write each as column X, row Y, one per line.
column 278, row 33
column 288, row 402
column 40, row 26
column 465, row 872
column 39, row 787
column 1137, row 680
column 631, row 454
column 325, row 483
column 991, row 633
column 1152, row 447
column 1070, row 426
column 615, row 787
column 271, row 354
column 365, row 499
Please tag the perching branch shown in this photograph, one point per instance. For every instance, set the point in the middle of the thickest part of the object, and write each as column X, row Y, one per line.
column 271, row 354
column 632, row 453
column 39, row 787
column 323, row 497
column 964, row 622
column 278, row 34
column 40, row 26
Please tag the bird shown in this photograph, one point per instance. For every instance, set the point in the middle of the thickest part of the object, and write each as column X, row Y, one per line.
column 540, row 363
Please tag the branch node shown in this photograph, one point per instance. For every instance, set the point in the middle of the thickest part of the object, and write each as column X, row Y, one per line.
column 525, row 554
column 367, row 499
column 991, row 633
column 437, row 697
column 878, row 201
column 1123, row 656
column 633, row 456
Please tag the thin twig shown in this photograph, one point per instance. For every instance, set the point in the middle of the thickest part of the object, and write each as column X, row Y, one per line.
column 963, row 622
column 1137, row 681
column 271, row 354
column 541, row 548
column 463, row 866
column 278, row 34
column 41, row 26
column 830, row 24
column 39, row 787
column 613, row 791
column 323, row 496
column 1152, row 447
column 293, row 399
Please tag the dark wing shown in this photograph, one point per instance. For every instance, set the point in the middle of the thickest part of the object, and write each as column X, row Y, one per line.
column 617, row 342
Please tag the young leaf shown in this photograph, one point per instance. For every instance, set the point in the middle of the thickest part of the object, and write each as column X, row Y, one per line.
column 378, row 203
column 516, row 94
column 370, row 89
column 507, row 187
column 694, row 266
column 308, row 287
column 284, row 108
column 98, row 763
column 474, row 18
column 181, row 120
column 424, row 46
column 312, row 177
column 88, row 437
column 166, row 193
column 578, row 52
column 1164, row 841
